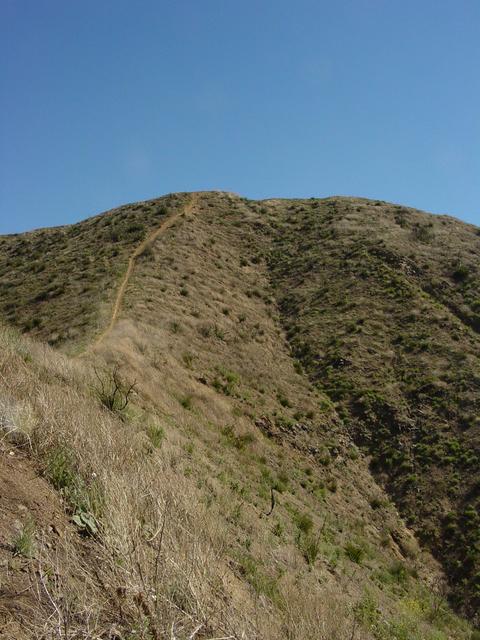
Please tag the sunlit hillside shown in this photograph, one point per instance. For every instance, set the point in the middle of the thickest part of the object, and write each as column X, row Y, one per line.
column 241, row 419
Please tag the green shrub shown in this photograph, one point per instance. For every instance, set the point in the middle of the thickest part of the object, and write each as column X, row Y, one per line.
column 84, row 501
column 237, row 441
column 304, row 522
column 175, row 327
column 188, row 358
column 354, row 553
column 376, row 503
column 186, row 402
column 218, row 332
column 156, row 435
column 460, row 273
column 367, row 612
column 225, row 382
column 332, row 485
column 283, row 400
column 422, row 233
column 24, row 542
column 135, row 227
column 310, row 547
column 254, row 574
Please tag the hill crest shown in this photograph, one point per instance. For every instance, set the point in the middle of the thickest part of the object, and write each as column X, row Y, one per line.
column 282, row 345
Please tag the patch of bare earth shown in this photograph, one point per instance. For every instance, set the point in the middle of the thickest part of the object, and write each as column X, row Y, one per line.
column 41, row 553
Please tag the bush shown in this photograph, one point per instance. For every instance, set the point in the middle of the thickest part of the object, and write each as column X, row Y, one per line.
column 156, row 434
column 186, row 402
column 422, row 233
column 237, row 441
column 135, row 227
column 225, row 382
column 24, row 543
column 366, row 611
column 84, row 501
column 188, row 359
column 310, row 547
column 460, row 273
column 111, row 391
column 252, row 571
column 147, row 253
column 376, row 503
column 398, row 571
column 354, row 553
column 283, row 400
column 205, row 330
column 175, row 327
column 304, row 523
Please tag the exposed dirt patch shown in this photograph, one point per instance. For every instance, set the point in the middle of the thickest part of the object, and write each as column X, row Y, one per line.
column 39, row 548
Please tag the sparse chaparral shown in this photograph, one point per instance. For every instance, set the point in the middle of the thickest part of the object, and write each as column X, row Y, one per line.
column 239, row 419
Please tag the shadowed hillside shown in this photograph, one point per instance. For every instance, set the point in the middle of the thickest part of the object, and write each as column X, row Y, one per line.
column 381, row 304
column 270, row 356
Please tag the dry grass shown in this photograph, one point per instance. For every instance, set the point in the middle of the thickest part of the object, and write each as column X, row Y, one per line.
column 184, row 548
column 159, row 567
column 166, row 561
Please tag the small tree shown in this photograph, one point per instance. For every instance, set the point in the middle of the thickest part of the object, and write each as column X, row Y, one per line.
column 112, row 391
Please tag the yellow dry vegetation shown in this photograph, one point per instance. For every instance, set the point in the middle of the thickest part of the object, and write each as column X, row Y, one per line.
column 224, row 500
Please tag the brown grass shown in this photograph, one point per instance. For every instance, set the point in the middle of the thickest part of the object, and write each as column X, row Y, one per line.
column 184, row 546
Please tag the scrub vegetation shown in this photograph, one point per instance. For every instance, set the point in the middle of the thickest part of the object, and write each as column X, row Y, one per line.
column 261, row 425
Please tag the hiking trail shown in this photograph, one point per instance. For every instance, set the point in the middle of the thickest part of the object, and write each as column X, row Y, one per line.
column 147, row 242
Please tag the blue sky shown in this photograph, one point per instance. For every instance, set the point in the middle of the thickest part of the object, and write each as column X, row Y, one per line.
column 111, row 101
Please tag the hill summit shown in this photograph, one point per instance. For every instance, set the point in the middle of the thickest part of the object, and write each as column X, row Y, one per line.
column 242, row 419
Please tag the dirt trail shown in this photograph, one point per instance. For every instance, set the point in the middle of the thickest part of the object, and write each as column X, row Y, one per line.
column 148, row 241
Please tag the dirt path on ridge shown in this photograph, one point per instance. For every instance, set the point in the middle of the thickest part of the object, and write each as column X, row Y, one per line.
column 148, row 241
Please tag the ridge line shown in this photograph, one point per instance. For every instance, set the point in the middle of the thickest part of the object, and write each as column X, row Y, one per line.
column 137, row 252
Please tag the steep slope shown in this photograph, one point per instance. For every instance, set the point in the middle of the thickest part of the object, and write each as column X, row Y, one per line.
column 59, row 284
column 223, row 428
column 381, row 305
column 43, row 557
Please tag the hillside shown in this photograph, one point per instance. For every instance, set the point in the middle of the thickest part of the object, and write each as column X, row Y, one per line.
column 382, row 307
column 306, row 387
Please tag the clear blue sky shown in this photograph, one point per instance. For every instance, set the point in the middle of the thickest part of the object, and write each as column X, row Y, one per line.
column 105, row 102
